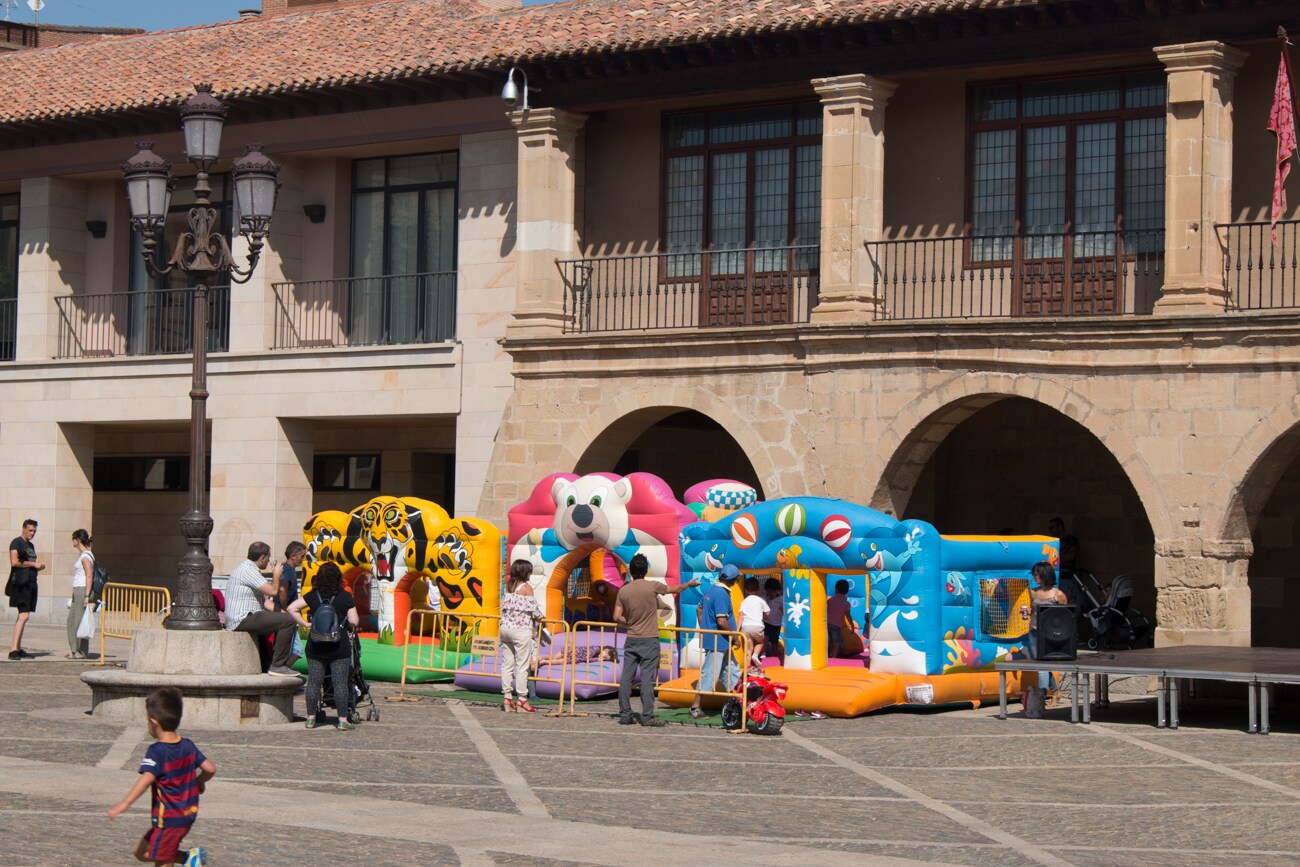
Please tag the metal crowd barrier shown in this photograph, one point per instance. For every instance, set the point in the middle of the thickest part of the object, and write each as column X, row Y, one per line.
column 124, row 608
column 602, row 634
column 681, row 638
column 472, row 634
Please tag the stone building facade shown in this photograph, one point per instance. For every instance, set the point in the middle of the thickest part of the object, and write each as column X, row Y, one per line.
column 893, row 320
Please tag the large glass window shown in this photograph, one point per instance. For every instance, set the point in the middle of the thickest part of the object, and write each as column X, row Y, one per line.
column 8, row 275
column 741, row 178
column 403, row 249
column 1080, row 157
column 160, row 309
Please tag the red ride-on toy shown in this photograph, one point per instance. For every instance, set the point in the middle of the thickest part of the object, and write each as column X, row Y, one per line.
column 763, row 711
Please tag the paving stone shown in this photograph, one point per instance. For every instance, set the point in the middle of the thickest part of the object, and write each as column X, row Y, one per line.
column 1136, row 794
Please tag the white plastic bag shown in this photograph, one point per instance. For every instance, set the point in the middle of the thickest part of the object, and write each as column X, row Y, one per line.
column 86, row 629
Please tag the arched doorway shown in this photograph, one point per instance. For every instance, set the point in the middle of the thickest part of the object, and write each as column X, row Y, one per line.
column 1001, row 464
column 1270, row 497
column 682, row 447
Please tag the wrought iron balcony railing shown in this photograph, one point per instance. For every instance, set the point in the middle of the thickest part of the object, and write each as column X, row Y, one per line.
column 149, row 322
column 708, row 289
column 8, row 328
column 366, row 311
column 1261, row 275
column 1063, row 274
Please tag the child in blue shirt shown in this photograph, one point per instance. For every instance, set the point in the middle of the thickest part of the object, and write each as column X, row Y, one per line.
column 175, row 771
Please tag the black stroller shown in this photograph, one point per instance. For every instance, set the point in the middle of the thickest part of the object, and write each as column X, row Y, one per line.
column 1114, row 622
column 360, row 689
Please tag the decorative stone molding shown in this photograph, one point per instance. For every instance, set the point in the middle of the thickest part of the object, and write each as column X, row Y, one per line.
column 853, row 183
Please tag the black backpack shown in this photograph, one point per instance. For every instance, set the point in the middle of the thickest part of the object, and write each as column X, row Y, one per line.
column 99, row 578
column 325, row 626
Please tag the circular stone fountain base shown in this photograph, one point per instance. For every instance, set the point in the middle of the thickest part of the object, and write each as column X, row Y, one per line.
column 218, row 673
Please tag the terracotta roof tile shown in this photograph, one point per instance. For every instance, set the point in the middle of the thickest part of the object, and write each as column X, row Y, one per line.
column 387, row 40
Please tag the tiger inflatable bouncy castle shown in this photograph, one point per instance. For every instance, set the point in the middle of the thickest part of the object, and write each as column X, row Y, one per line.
column 401, row 553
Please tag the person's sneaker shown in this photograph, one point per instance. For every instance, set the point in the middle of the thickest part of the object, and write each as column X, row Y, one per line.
column 345, row 726
column 282, row 671
column 653, row 723
column 697, row 713
column 26, row 655
column 311, row 722
column 802, row 714
column 817, row 715
column 197, row 857
column 627, row 721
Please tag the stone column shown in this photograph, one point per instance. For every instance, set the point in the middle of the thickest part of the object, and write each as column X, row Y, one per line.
column 546, row 215
column 1203, row 592
column 1198, row 173
column 853, row 186
column 252, row 304
column 486, row 300
column 261, row 485
column 51, row 260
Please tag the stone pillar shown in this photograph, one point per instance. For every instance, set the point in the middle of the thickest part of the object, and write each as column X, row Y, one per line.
column 252, row 304
column 546, row 215
column 1198, row 173
column 261, row 485
column 853, row 187
column 1202, row 592
column 51, row 260
column 486, row 299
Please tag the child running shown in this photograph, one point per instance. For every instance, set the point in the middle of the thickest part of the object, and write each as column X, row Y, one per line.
column 175, row 771
column 752, row 611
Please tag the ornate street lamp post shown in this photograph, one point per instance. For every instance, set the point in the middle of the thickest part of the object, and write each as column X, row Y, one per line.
column 202, row 253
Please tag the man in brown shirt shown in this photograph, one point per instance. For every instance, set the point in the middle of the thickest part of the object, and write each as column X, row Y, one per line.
column 637, row 606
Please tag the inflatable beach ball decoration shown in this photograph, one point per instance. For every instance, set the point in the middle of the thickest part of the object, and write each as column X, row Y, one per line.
column 731, row 496
column 744, row 531
column 791, row 519
column 836, row 532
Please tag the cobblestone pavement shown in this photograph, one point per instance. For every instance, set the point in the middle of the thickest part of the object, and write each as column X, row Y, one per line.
column 440, row 781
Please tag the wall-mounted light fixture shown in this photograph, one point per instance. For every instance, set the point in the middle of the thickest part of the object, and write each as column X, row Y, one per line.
column 511, row 92
column 97, row 228
column 315, row 213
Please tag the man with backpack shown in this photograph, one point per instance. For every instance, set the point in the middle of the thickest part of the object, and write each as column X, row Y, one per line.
column 333, row 612
column 244, row 613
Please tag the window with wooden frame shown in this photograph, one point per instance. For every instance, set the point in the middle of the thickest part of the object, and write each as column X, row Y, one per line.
column 1066, row 160
column 8, row 275
column 741, row 184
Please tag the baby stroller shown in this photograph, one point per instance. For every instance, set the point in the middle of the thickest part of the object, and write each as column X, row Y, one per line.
column 1114, row 623
column 360, row 689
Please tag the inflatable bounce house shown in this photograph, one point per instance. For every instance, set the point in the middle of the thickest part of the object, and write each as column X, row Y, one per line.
column 399, row 554
column 580, row 532
column 935, row 611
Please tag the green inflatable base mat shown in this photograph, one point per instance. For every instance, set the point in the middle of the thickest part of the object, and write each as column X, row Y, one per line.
column 384, row 662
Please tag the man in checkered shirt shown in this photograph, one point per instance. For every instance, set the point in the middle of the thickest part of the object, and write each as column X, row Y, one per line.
column 246, row 613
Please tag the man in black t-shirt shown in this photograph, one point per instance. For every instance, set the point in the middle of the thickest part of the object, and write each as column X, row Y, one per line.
column 22, row 587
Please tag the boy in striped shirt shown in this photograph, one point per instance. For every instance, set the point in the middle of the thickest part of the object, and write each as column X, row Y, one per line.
column 176, row 771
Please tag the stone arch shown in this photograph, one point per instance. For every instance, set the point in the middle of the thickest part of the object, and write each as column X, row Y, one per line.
column 910, row 440
column 1244, row 486
column 628, row 411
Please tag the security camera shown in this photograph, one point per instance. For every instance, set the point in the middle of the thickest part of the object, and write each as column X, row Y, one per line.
column 511, row 92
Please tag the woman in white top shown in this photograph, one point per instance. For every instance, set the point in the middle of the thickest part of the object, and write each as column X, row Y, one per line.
column 83, row 572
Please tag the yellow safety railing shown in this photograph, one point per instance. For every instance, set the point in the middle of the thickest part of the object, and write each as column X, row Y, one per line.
column 124, row 608
column 591, row 671
column 740, row 649
column 465, row 643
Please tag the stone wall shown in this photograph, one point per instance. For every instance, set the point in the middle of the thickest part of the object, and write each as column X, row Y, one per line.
column 1174, row 415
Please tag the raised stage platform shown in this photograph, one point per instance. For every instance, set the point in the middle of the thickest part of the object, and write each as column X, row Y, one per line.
column 1257, row 667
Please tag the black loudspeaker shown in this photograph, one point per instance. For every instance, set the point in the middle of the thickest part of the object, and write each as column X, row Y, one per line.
column 1058, row 632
